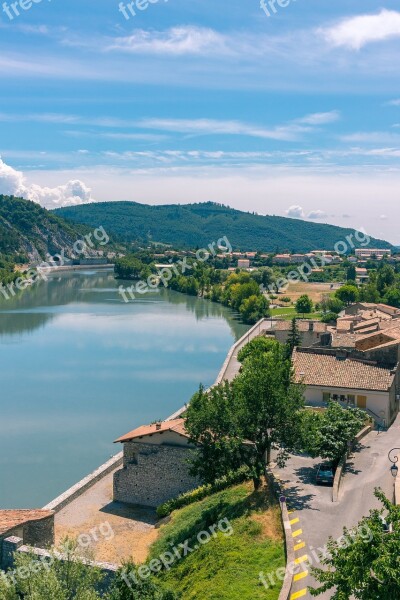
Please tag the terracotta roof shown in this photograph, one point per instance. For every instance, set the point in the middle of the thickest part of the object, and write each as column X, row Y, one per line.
column 9, row 519
column 327, row 371
column 177, row 426
column 344, row 340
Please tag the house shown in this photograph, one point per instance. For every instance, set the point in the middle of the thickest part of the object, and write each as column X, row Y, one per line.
column 362, row 275
column 372, row 253
column 311, row 332
column 155, row 467
column 335, row 375
column 244, row 263
column 33, row 527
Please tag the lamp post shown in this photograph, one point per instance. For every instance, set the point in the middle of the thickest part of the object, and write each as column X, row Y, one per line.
column 394, row 459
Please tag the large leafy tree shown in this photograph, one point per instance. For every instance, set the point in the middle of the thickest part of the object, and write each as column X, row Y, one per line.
column 211, row 420
column 304, row 305
column 348, row 294
column 243, row 421
column 128, row 585
column 338, row 427
column 364, row 563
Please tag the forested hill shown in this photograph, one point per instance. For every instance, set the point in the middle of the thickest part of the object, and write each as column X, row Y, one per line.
column 200, row 224
column 28, row 231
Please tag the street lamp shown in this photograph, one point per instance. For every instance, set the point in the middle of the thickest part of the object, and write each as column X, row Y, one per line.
column 394, row 459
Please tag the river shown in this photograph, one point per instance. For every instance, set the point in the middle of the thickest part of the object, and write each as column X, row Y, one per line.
column 80, row 367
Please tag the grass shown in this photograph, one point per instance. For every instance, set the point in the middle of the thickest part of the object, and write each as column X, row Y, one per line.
column 290, row 312
column 228, row 566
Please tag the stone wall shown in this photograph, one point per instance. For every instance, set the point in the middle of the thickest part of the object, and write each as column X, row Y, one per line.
column 153, row 474
column 38, row 533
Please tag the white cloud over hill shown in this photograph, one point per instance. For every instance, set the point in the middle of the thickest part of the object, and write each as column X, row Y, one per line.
column 13, row 182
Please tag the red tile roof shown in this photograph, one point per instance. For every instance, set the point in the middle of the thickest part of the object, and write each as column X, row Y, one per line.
column 177, row 426
column 9, row 519
column 327, row 371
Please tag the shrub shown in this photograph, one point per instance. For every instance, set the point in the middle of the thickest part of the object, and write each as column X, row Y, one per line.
column 242, row 474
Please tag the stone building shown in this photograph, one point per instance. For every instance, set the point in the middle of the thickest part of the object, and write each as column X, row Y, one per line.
column 155, row 467
column 33, row 527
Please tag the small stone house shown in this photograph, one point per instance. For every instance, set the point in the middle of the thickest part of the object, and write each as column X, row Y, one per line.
column 155, row 467
column 33, row 527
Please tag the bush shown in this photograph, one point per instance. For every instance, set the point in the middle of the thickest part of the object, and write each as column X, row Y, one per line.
column 329, row 317
column 242, row 474
column 258, row 346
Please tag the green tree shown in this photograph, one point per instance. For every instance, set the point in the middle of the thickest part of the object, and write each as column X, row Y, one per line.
column 67, row 579
column 241, row 422
column 347, row 294
column 294, row 337
column 338, row 427
column 331, row 305
column 392, row 297
column 351, row 273
column 211, row 420
column 254, row 308
column 267, row 403
column 364, row 562
column 304, row 305
column 386, row 278
column 260, row 345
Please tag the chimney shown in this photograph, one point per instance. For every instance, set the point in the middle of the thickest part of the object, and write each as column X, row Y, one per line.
column 311, row 326
column 158, row 426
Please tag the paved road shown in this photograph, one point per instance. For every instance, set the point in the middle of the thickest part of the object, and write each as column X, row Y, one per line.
column 315, row 517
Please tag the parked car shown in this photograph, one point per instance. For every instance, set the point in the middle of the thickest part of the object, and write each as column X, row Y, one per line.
column 326, row 474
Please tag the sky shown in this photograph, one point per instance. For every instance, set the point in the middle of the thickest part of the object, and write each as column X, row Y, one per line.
column 292, row 109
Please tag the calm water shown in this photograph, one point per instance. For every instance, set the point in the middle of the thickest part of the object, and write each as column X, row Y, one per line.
column 79, row 367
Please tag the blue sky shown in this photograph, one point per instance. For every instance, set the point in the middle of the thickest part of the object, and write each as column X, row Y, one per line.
column 293, row 114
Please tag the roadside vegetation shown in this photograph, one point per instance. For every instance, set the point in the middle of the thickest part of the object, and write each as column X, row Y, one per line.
column 228, row 566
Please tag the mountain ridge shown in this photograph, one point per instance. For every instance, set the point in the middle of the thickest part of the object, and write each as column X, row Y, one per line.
column 196, row 225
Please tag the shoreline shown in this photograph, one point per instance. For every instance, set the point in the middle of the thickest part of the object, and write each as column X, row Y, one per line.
column 112, row 463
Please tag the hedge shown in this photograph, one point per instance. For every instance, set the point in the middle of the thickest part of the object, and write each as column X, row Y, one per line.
column 233, row 478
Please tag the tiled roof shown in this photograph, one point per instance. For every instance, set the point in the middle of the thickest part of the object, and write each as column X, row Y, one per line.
column 344, row 340
column 177, row 426
column 9, row 519
column 327, row 371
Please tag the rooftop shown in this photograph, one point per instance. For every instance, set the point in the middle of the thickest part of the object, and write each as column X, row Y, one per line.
column 312, row 368
column 9, row 519
column 176, row 426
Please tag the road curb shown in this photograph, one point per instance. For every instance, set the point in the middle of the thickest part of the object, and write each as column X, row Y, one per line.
column 289, row 542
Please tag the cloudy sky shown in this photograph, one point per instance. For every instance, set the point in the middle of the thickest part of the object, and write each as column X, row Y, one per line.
column 293, row 114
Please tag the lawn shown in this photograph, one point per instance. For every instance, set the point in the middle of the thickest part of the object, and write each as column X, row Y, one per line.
column 290, row 312
column 228, row 566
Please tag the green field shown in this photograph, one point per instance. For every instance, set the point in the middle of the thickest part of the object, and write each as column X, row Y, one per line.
column 228, row 566
column 290, row 312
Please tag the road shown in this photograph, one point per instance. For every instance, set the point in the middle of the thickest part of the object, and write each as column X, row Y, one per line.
column 313, row 514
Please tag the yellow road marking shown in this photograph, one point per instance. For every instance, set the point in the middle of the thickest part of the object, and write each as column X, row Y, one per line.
column 300, row 560
column 297, row 533
column 294, row 521
column 299, row 546
column 298, row 594
column 301, row 575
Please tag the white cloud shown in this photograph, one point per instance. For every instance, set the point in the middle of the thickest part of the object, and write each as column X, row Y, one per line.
column 383, row 217
column 295, row 212
column 393, row 102
column 317, row 214
column 176, row 41
column 12, row 182
column 320, row 118
column 356, row 32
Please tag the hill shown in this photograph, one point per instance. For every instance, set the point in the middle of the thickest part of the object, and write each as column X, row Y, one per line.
column 29, row 232
column 197, row 225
